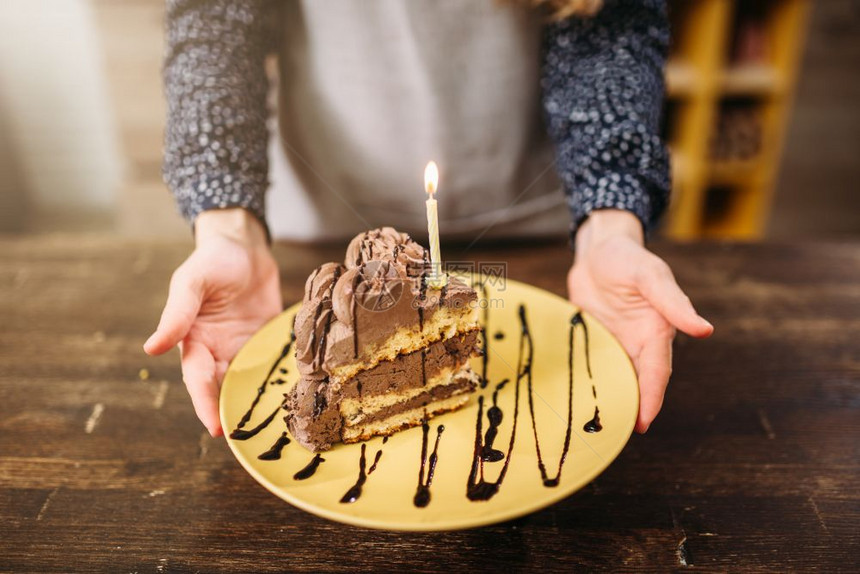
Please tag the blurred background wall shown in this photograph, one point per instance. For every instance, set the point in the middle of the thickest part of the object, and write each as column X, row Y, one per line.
column 81, row 122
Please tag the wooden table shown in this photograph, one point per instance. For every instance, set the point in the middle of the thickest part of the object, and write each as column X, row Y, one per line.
column 754, row 463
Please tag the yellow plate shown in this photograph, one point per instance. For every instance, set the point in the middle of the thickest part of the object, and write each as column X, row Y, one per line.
column 387, row 498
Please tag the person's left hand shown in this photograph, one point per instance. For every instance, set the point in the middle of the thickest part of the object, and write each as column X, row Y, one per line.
column 633, row 293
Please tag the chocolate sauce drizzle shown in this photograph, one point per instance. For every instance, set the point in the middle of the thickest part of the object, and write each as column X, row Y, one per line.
column 309, row 470
column 499, row 336
column 422, row 291
column 578, row 321
column 262, row 388
column 274, row 453
column 365, row 251
column 422, row 493
column 375, row 462
column 354, row 316
column 320, row 402
column 319, row 355
column 593, row 425
column 494, row 416
column 241, row 434
column 477, row 488
column 423, row 368
column 554, row 481
column 354, row 492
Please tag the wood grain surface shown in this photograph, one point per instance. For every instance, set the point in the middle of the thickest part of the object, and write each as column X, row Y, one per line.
column 753, row 465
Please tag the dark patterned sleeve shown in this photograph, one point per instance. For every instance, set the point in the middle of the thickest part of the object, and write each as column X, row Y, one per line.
column 215, row 153
column 602, row 84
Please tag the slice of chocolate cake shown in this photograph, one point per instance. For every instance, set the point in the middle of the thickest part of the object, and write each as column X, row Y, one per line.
column 378, row 348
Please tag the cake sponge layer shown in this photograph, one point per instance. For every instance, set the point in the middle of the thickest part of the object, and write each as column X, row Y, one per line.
column 403, row 419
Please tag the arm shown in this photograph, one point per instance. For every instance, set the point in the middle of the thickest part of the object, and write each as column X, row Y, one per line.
column 603, row 93
column 215, row 164
column 215, row 153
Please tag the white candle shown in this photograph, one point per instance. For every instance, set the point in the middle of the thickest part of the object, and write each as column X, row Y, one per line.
column 431, row 181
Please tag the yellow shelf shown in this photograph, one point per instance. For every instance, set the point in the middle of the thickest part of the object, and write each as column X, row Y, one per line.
column 702, row 79
column 733, row 172
column 682, row 79
column 750, row 80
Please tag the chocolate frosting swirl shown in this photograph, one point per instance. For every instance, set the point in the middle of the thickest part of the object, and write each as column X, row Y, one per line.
column 374, row 286
column 385, row 243
column 349, row 308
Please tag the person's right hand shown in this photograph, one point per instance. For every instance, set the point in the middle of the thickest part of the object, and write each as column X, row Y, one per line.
column 226, row 290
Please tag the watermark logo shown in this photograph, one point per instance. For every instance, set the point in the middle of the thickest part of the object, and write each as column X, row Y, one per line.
column 492, row 273
column 381, row 288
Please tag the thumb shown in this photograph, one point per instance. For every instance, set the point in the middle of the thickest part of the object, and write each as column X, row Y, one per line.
column 658, row 286
column 183, row 304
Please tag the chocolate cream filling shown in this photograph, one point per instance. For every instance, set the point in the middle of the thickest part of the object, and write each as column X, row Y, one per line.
column 412, row 370
column 438, row 393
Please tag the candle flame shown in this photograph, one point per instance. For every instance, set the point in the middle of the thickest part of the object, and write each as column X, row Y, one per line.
column 431, row 178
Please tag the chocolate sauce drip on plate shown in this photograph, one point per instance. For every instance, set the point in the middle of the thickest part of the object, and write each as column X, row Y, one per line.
column 240, row 434
column 262, row 388
column 283, row 371
column 498, row 388
column 278, row 382
column 499, row 336
column 593, row 425
column 274, row 453
column 375, row 461
column 579, row 321
column 494, row 416
column 309, row 470
column 477, row 488
column 354, row 492
column 422, row 493
column 575, row 320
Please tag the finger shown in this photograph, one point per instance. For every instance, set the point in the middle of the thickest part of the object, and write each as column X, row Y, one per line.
column 220, row 371
column 654, row 366
column 183, row 304
column 198, row 372
column 659, row 287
